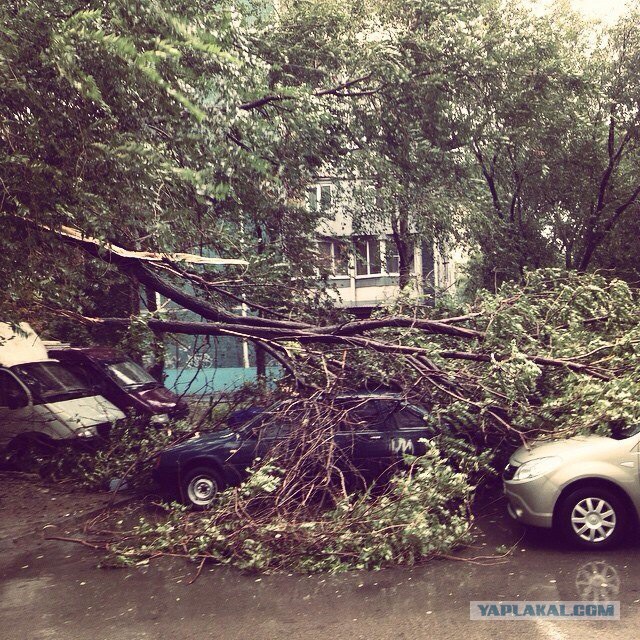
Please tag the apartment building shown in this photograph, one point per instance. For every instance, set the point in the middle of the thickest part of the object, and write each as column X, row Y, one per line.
column 364, row 263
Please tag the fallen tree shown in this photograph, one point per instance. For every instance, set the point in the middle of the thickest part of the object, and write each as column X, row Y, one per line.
column 524, row 349
column 154, row 270
column 184, row 136
column 554, row 356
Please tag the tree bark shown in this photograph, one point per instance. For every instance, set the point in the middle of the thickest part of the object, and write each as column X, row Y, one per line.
column 404, row 246
column 261, row 364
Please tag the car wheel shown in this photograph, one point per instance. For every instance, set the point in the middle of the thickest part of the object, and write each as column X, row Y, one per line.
column 593, row 518
column 29, row 453
column 200, row 486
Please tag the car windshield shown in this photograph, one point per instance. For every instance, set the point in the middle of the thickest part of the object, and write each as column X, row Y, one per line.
column 129, row 375
column 51, row 382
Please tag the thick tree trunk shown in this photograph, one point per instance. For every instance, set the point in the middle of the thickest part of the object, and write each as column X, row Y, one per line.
column 134, row 311
column 404, row 246
column 591, row 243
column 261, row 362
column 261, row 365
column 134, row 298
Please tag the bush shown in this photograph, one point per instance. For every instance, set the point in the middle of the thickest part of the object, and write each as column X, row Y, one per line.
column 422, row 512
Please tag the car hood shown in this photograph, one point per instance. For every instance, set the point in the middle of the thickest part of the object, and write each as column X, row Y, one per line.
column 157, row 400
column 562, row 448
column 206, row 441
column 85, row 412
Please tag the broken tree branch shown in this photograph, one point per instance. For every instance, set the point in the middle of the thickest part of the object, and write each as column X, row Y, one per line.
column 316, row 335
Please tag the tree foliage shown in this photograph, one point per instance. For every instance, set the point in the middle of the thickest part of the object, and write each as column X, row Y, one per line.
column 554, row 138
column 200, row 125
column 137, row 122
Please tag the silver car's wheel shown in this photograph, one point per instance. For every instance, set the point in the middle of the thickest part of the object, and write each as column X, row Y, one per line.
column 200, row 487
column 593, row 519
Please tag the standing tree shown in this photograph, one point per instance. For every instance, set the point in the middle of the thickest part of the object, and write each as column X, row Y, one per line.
column 552, row 118
column 161, row 127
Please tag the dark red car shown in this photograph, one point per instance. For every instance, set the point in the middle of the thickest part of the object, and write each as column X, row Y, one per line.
column 123, row 382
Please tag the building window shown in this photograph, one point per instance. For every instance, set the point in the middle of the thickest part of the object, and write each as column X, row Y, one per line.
column 325, row 198
column 341, row 257
column 312, row 199
column 319, row 197
column 325, row 248
column 368, row 255
column 334, row 255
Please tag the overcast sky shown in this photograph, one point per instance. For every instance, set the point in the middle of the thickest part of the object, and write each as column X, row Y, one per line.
column 606, row 10
column 603, row 9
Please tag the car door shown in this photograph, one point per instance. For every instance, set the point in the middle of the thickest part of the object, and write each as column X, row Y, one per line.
column 258, row 437
column 16, row 409
column 270, row 435
column 365, row 435
column 408, row 429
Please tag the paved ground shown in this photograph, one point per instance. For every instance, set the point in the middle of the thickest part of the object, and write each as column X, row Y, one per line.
column 28, row 504
column 54, row 590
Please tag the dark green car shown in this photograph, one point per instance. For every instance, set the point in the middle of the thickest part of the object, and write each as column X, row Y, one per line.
column 376, row 432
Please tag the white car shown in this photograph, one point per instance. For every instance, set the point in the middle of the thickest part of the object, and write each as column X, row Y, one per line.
column 41, row 401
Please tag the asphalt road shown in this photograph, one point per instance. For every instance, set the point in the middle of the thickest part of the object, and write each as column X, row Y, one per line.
column 51, row 590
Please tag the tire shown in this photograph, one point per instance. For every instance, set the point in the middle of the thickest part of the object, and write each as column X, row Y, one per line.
column 30, row 452
column 200, row 486
column 593, row 518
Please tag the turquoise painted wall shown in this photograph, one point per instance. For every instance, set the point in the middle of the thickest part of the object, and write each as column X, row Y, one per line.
column 212, row 380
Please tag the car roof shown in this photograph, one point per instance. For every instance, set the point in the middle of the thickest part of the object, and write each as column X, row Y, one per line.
column 371, row 395
column 356, row 395
column 101, row 354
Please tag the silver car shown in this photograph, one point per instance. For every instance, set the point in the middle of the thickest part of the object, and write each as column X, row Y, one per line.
column 587, row 488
